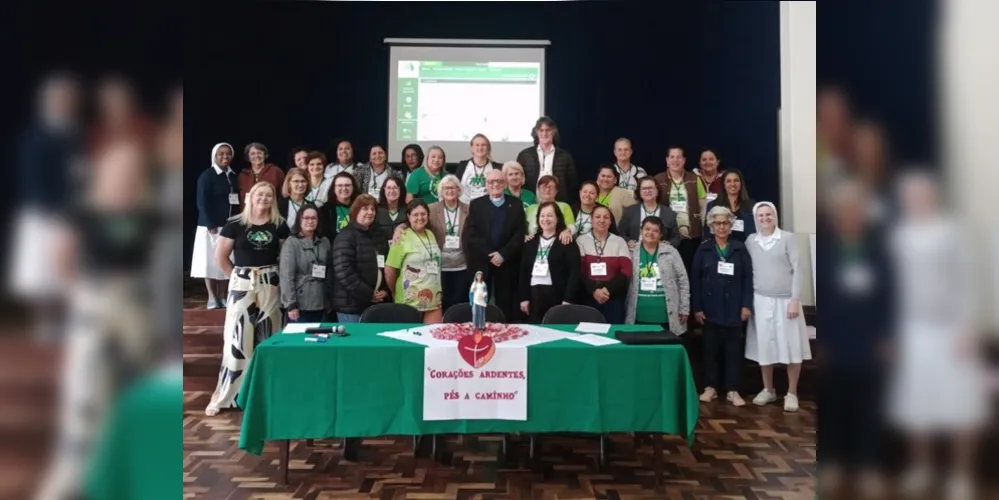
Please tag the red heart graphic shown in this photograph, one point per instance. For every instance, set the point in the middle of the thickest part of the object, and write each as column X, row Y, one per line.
column 476, row 349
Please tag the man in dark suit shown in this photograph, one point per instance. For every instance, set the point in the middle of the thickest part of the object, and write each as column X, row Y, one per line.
column 545, row 158
column 493, row 237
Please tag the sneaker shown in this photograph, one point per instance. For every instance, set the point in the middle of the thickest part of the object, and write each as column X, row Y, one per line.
column 790, row 402
column 221, row 303
column 734, row 398
column 764, row 397
column 212, row 304
column 708, row 395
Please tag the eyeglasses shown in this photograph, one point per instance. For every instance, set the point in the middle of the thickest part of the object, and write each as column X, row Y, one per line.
column 310, row 218
column 495, row 181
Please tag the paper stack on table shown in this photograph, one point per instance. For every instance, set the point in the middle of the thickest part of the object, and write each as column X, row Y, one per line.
column 597, row 340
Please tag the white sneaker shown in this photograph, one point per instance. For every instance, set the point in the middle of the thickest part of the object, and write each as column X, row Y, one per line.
column 212, row 304
column 790, row 402
column 764, row 397
column 708, row 395
column 734, row 398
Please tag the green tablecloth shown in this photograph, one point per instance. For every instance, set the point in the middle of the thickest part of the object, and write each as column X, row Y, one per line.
column 368, row 385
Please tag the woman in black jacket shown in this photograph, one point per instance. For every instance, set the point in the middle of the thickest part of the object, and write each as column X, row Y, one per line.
column 549, row 269
column 357, row 261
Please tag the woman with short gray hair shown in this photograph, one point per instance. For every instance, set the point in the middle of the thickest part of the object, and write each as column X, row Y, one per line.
column 721, row 298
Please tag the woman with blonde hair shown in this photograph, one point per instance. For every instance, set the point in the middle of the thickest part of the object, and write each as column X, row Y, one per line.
column 254, row 240
column 294, row 194
column 472, row 172
column 514, row 173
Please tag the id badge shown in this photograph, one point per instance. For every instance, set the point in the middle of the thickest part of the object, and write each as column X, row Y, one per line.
column 452, row 242
column 318, row 271
column 679, row 206
column 726, row 268
column 648, row 284
column 739, row 225
column 540, row 269
column 234, row 198
column 711, row 197
column 381, row 261
column 432, row 268
column 598, row 269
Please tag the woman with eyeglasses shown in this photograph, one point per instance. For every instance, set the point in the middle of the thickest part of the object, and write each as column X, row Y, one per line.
column 391, row 207
column 650, row 204
column 721, row 297
column 302, row 269
column 336, row 211
column 293, row 195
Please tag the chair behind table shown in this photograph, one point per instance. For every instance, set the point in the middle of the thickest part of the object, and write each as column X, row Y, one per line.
column 462, row 313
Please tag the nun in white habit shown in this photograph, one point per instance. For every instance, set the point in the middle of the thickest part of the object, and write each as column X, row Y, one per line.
column 218, row 200
column 777, row 332
column 938, row 380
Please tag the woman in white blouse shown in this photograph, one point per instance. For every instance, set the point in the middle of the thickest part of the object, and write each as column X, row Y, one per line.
column 777, row 333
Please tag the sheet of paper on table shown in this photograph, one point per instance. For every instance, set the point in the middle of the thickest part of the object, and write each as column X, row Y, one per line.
column 299, row 327
column 593, row 328
column 596, row 340
column 424, row 339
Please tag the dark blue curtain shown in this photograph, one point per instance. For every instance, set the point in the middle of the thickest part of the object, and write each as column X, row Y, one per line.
column 882, row 54
column 695, row 74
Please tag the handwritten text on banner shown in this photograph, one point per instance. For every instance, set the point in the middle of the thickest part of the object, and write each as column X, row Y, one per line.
column 475, row 380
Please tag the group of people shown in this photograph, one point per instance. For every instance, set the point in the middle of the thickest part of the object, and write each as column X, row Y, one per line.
column 326, row 241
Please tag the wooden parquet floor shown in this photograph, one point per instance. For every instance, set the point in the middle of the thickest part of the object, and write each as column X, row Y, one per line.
column 739, row 453
column 751, row 452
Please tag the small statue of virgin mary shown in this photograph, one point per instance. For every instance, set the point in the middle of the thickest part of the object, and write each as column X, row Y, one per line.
column 478, row 297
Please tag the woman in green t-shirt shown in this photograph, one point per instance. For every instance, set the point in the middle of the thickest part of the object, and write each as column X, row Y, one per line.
column 659, row 293
column 413, row 265
column 422, row 183
column 514, row 173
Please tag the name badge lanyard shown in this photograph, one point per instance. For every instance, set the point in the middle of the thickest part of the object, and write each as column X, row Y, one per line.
column 478, row 175
column 315, row 257
column 625, row 181
column 451, row 225
column 426, row 246
column 678, row 188
column 374, row 179
column 722, row 254
column 599, row 247
column 544, row 249
column 231, row 189
column 581, row 219
column 649, row 214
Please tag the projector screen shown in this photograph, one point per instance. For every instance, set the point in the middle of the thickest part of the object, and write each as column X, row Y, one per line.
column 444, row 95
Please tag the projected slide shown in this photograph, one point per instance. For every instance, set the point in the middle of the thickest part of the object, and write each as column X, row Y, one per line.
column 450, row 101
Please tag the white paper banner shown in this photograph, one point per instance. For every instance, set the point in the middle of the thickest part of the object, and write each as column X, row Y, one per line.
column 475, row 380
